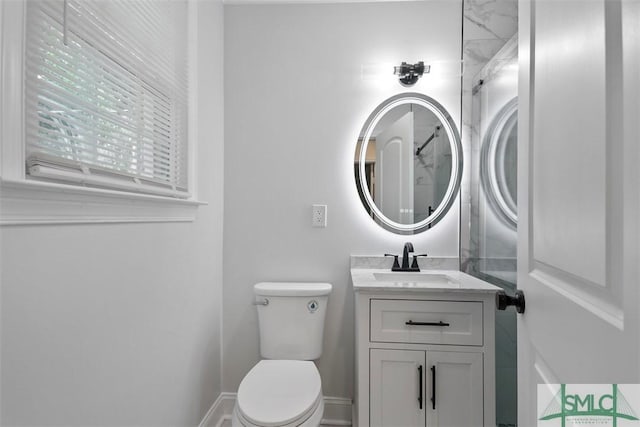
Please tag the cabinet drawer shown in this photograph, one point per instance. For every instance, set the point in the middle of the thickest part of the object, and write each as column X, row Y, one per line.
column 447, row 322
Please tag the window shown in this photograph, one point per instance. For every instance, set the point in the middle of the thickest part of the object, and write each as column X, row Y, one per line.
column 106, row 94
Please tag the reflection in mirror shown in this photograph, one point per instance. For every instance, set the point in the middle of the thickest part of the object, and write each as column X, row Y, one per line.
column 498, row 163
column 408, row 163
column 488, row 243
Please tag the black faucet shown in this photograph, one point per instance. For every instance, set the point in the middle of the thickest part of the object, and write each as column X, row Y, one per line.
column 408, row 248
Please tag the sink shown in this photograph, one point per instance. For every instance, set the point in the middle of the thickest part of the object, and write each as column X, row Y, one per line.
column 435, row 279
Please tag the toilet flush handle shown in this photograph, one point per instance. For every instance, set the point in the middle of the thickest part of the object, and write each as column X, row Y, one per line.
column 263, row 302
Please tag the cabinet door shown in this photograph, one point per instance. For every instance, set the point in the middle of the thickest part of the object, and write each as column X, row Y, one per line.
column 455, row 399
column 397, row 388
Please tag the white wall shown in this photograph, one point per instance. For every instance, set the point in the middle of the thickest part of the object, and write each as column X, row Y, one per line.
column 120, row 324
column 295, row 102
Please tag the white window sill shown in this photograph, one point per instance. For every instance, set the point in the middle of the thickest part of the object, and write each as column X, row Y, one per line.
column 31, row 202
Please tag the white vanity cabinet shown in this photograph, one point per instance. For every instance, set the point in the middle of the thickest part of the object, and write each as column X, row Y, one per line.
column 401, row 389
column 424, row 356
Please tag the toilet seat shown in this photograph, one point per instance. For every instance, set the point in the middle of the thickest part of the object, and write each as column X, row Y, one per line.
column 279, row 393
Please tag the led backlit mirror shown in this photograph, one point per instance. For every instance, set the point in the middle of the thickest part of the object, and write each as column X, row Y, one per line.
column 498, row 163
column 408, row 163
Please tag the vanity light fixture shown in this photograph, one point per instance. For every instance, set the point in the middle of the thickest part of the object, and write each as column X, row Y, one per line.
column 410, row 73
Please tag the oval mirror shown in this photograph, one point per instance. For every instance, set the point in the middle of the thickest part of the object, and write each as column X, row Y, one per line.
column 498, row 163
column 408, row 163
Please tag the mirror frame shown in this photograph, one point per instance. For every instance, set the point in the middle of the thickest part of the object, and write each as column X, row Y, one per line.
column 491, row 159
column 456, row 161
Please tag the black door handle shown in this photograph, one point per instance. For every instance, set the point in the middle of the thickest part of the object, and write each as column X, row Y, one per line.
column 420, row 386
column 503, row 301
column 433, row 386
column 412, row 323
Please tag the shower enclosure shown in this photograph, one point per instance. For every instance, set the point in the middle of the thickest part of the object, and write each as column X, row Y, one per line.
column 489, row 194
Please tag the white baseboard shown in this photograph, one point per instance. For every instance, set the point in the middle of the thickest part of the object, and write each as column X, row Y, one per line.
column 220, row 410
column 337, row 411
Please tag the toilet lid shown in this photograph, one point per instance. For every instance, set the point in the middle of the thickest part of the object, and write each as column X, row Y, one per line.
column 279, row 392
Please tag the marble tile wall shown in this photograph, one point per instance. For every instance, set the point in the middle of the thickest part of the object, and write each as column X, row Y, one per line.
column 487, row 26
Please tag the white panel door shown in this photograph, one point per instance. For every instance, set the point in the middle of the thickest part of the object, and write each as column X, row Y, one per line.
column 394, row 170
column 578, row 193
column 456, row 397
column 397, row 384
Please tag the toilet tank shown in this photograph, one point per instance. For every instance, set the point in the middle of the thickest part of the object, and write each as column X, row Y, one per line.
column 291, row 319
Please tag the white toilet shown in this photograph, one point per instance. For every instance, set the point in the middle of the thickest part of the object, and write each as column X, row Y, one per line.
column 285, row 389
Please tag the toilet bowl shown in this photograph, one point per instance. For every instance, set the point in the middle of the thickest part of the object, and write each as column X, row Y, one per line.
column 284, row 389
column 280, row 393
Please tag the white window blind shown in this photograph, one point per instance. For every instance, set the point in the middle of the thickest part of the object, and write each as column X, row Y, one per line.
column 106, row 94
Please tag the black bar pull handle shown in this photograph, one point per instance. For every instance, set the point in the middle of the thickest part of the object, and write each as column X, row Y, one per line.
column 420, row 386
column 433, row 386
column 440, row 323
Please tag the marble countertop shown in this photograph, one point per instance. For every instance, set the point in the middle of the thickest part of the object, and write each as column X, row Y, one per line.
column 427, row 280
